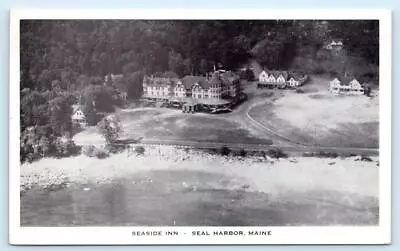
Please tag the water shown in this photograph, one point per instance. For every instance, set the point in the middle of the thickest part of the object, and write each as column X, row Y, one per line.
column 187, row 198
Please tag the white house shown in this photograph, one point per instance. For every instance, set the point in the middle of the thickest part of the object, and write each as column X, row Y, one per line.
column 281, row 79
column 78, row 116
column 296, row 79
column 356, row 87
column 263, row 77
column 334, row 44
column 347, row 86
column 271, row 79
column 334, row 86
column 293, row 82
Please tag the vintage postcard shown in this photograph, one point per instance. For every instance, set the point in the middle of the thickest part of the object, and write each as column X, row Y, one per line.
column 200, row 126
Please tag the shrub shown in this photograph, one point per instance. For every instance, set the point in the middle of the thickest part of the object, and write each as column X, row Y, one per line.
column 276, row 153
column 30, row 157
column 333, row 155
column 299, row 90
column 139, row 150
column 247, row 75
column 242, row 153
column 89, row 150
column 211, row 151
column 319, row 70
column 92, row 151
column 347, row 155
column 224, row 151
column 115, row 148
column 308, row 154
column 365, row 158
column 36, row 144
column 323, row 154
column 101, row 153
column 110, row 128
column 66, row 147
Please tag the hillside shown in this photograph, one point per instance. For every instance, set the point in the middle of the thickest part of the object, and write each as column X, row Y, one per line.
column 63, row 50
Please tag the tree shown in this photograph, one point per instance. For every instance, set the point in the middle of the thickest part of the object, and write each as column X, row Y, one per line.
column 268, row 53
column 99, row 98
column 44, row 145
column 176, row 63
column 34, row 109
column 60, row 112
column 68, row 79
column 203, row 67
column 247, row 75
column 170, row 74
column 130, row 68
column 139, row 150
column 188, row 67
column 276, row 153
column 224, row 150
column 242, row 153
column 96, row 47
column 44, row 80
column 26, row 79
column 110, row 128
column 134, row 83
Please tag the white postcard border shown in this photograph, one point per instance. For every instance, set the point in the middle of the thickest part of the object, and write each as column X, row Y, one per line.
column 380, row 234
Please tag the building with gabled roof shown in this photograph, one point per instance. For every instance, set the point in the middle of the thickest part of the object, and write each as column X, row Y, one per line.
column 216, row 85
column 280, row 79
column 158, row 87
column 346, row 85
column 78, row 116
column 334, row 44
column 263, row 77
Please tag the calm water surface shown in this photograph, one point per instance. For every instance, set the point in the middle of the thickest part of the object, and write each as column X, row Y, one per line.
column 188, row 198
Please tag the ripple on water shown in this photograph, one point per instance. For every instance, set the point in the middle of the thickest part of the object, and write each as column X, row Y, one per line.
column 189, row 198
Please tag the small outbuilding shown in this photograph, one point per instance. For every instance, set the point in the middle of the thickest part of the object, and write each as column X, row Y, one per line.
column 78, row 116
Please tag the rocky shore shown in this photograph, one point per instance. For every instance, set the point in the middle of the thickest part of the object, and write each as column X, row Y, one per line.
column 254, row 173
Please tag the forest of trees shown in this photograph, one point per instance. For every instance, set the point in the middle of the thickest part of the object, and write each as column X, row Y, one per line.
column 66, row 50
column 65, row 61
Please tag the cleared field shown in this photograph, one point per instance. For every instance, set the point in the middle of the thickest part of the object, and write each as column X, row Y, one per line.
column 317, row 117
column 174, row 125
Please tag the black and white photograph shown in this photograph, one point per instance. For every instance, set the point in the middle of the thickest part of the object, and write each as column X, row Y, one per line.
column 191, row 122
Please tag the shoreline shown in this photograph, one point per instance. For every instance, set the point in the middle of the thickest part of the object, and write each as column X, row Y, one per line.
column 269, row 175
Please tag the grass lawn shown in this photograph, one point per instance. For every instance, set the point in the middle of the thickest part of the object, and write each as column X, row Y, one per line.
column 168, row 124
column 317, row 117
